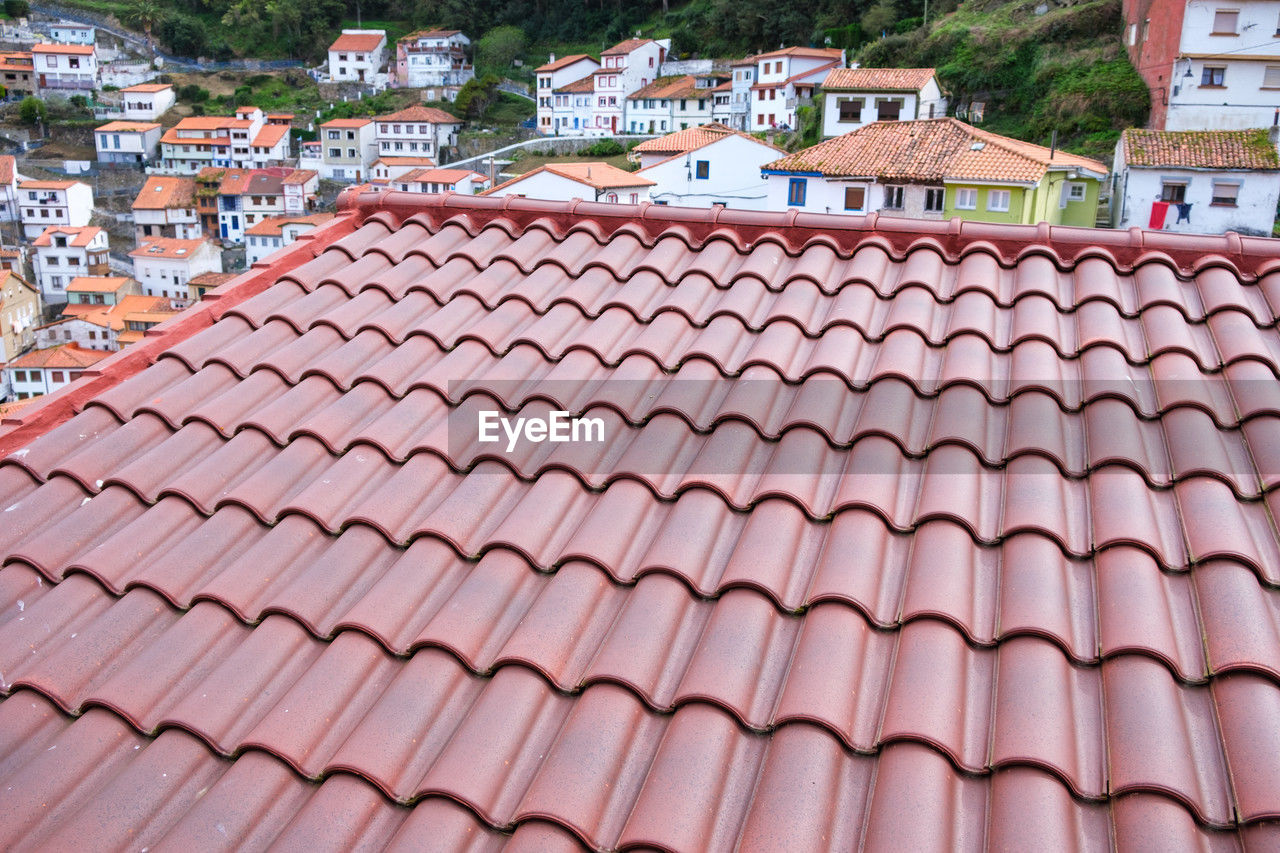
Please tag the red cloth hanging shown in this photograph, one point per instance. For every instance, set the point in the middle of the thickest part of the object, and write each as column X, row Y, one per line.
column 1158, row 211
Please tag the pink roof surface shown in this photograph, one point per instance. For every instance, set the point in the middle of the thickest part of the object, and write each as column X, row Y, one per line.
column 901, row 535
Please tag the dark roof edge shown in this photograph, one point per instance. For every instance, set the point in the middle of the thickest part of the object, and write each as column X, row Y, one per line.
column 60, row 406
column 1246, row 257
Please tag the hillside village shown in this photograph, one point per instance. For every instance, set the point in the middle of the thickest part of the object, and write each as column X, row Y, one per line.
column 794, row 128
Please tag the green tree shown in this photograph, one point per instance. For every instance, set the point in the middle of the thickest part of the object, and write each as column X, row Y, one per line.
column 17, row 8
column 144, row 14
column 32, row 110
column 879, row 19
column 476, row 96
column 498, row 49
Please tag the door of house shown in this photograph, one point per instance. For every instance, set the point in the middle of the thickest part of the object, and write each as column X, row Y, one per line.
column 613, row 124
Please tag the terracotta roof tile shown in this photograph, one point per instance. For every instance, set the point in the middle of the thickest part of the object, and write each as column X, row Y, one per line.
column 270, row 135
column 348, row 122
column 1200, row 149
column 8, row 169
column 167, row 247
column 164, row 192
column 67, row 355
column 272, row 225
column 80, row 235
column 929, row 150
column 148, row 87
column 668, row 87
column 879, row 79
column 358, row 41
column 563, row 61
column 212, row 279
column 806, row 52
column 49, row 185
column 127, row 127
column 75, row 49
column 967, row 522
column 97, row 283
column 599, row 175
column 434, row 115
column 584, row 84
column 440, row 176
column 690, row 139
column 625, row 47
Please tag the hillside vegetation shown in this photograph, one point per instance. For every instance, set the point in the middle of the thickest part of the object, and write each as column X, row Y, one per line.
column 1036, row 65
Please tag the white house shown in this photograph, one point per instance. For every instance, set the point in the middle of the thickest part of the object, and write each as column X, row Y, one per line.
column 587, row 181
column 671, row 103
column 1196, row 181
column 357, row 56
column 852, row 97
column 164, row 266
column 45, row 203
column 70, row 32
column 722, row 103
column 416, row 131
column 744, row 77
column 275, row 233
column 301, row 188
column 65, row 69
column 435, row 61
column 166, row 207
column 249, row 140
column 784, row 80
column 9, row 179
column 347, row 149
column 571, row 107
column 1208, row 66
column 711, row 165
column 550, row 77
column 44, row 371
column 127, row 141
column 624, row 68
column 147, row 101
column 441, row 181
column 63, row 253
column 387, row 169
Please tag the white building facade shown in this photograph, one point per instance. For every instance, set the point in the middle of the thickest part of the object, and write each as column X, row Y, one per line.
column 347, row 149
column 852, row 97
column 624, row 68
column 416, row 131
column 1227, row 73
column 62, row 254
column 785, row 78
column 723, row 172
column 357, row 56
column 164, row 266
column 551, row 77
column 433, row 60
column 65, row 69
column 132, row 142
column 586, row 181
column 147, row 101
column 45, row 203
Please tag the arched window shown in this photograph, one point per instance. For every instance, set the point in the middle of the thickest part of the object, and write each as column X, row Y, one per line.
column 611, row 197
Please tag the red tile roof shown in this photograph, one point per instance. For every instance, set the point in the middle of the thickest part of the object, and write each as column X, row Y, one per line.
column 804, row 52
column 67, row 355
column 127, row 127
column 347, row 122
column 584, row 84
column 148, row 87
column 166, row 192
column 168, row 248
column 930, row 150
column 81, row 235
column 8, row 168
column 272, row 225
column 878, row 79
column 904, row 535
column 78, row 49
column 563, row 61
column 1200, row 149
column 625, row 47
column 362, row 42
column 270, row 135
column 599, row 175
column 691, row 139
column 420, row 113
column 668, row 88
column 98, row 283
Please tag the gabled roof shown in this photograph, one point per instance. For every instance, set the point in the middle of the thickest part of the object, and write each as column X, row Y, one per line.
column 420, row 113
column 65, row 355
column 878, row 79
column 165, row 192
column 930, row 150
column 8, row 169
column 625, row 47
column 440, row 176
column 803, row 52
column 213, row 279
column 599, row 175
column 436, row 33
column 79, row 235
column 273, row 225
column 583, row 84
column 361, row 42
column 405, row 161
column 148, row 87
column 168, row 248
column 1249, row 150
column 348, row 122
column 563, row 61
column 49, row 185
column 688, row 139
column 897, row 538
column 679, row 86
column 270, row 135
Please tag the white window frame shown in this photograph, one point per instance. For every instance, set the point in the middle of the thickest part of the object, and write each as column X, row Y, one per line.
column 1004, row 195
column 966, row 198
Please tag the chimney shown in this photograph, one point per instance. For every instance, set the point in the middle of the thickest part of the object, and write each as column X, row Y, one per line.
column 552, row 59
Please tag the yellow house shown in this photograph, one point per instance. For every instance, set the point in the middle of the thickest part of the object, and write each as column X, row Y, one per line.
column 19, row 315
column 937, row 169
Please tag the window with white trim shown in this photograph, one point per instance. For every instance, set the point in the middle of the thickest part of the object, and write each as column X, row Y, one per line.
column 966, row 198
column 1225, row 193
column 1225, row 22
column 998, row 200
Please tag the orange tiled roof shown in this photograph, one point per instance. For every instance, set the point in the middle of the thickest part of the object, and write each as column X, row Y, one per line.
column 167, row 248
column 165, row 192
column 1200, row 149
column 78, row 49
column 273, row 225
column 98, row 283
column 879, row 79
column 420, row 113
column 427, row 34
column 562, row 62
column 358, row 41
column 80, row 235
column 809, row 52
column 624, row 47
column 405, row 161
column 347, row 122
column 439, row 176
column 127, row 127
column 48, row 185
column 668, row 88
column 148, row 87
column 270, row 135
column 689, row 139
column 211, row 279
column 8, row 168
column 65, row 355
column 929, row 150
column 601, row 176
column 583, row 84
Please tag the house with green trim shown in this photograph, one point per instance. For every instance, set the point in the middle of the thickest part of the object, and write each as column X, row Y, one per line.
column 937, row 169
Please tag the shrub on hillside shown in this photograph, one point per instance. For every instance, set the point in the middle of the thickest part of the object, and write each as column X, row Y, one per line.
column 603, row 148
